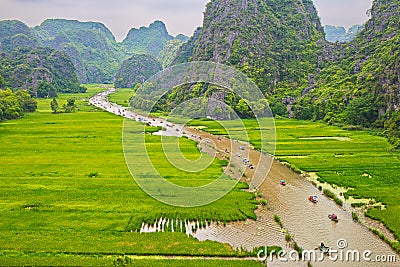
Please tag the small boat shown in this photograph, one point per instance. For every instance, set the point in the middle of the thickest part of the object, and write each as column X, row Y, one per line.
column 333, row 217
column 282, row 182
column 324, row 249
column 313, row 199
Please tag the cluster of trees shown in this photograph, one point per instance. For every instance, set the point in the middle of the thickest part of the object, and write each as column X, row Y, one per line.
column 14, row 104
column 68, row 107
column 392, row 129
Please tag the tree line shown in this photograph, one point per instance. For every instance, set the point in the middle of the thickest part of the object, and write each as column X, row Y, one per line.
column 14, row 104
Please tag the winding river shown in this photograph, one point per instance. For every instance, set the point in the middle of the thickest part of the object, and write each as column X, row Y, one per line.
column 307, row 222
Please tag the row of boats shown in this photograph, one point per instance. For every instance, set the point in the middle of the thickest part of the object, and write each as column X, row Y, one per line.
column 333, row 217
column 314, row 199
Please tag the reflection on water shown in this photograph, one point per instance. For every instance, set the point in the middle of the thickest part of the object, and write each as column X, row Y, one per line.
column 191, row 228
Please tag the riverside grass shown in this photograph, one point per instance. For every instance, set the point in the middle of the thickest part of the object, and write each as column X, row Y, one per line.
column 359, row 160
column 65, row 188
column 78, row 260
column 122, row 96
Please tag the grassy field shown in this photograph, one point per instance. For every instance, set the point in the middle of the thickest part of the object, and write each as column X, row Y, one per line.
column 122, row 96
column 73, row 260
column 352, row 159
column 65, row 189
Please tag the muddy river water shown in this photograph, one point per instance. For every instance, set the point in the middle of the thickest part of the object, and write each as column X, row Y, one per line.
column 307, row 222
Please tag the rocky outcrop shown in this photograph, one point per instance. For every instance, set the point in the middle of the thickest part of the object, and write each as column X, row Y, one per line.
column 14, row 34
column 136, row 69
column 44, row 72
column 91, row 46
column 264, row 39
column 148, row 40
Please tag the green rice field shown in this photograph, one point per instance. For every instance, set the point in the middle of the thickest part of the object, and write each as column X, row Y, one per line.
column 122, row 96
column 68, row 198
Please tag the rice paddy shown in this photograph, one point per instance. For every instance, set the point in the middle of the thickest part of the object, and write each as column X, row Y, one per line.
column 65, row 189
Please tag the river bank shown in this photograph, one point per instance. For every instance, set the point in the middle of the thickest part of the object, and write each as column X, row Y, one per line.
column 308, row 223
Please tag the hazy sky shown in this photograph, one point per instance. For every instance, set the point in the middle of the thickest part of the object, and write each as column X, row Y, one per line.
column 180, row 16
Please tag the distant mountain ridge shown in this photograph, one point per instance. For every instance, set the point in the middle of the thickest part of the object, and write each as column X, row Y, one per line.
column 44, row 72
column 339, row 33
column 14, row 33
column 150, row 40
column 92, row 47
column 95, row 53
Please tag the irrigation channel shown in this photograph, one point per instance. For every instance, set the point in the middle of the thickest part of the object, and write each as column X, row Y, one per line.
column 306, row 222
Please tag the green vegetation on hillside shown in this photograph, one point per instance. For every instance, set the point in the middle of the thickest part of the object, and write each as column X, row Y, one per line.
column 95, row 53
column 122, row 96
column 272, row 42
column 13, row 34
column 169, row 52
column 44, row 72
column 185, row 52
column 359, row 81
column 92, row 47
column 136, row 69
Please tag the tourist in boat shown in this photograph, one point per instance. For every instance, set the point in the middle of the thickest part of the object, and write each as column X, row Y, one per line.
column 323, row 248
column 333, row 217
column 313, row 199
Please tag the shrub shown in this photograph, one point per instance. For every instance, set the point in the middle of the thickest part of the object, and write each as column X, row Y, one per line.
column 332, row 195
column 288, row 237
column 354, row 216
column 278, row 220
column 93, row 175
